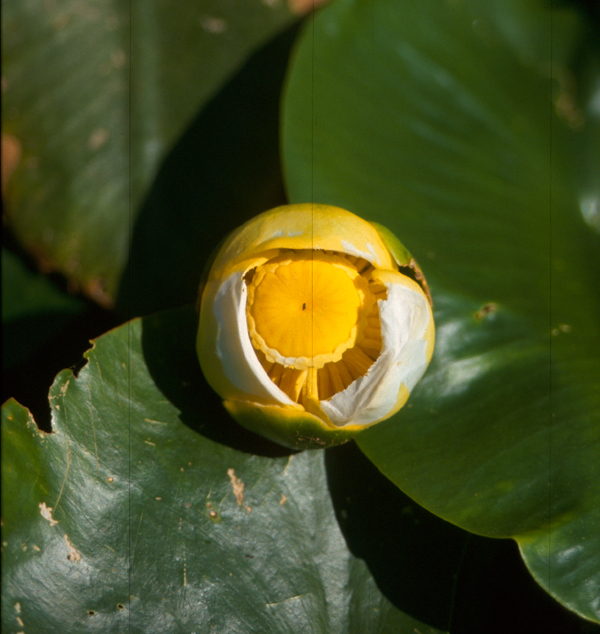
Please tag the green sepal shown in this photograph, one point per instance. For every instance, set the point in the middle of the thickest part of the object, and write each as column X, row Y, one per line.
column 403, row 258
column 399, row 252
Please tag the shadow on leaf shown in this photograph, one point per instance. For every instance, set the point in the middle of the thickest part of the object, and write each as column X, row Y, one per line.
column 224, row 169
column 432, row 570
column 168, row 342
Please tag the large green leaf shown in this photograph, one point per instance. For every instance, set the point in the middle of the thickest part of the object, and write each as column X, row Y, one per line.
column 97, row 93
column 223, row 170
column 457, row 126
column 132, row 516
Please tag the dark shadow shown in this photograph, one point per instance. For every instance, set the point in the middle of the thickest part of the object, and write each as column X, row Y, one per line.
column 22, row 336
column 496, row 593
column 29, row 380
column 168, row 343
column 224, row 170
column 36, row 347
column 432, row 570
column 400, row 542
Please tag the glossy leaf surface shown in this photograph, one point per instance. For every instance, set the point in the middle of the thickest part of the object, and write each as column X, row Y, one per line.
column 96, row 94
column 442, row 122
column 138, row 515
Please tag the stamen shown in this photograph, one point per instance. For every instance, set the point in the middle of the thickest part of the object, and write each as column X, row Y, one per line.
column 358, row 361
column 336, row 378
column 275, row 373
column 292, row 381
column 310, row 395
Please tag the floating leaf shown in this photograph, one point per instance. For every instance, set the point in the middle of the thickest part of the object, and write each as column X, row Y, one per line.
column 442, row 122
column 97, row 94
column 131, row 516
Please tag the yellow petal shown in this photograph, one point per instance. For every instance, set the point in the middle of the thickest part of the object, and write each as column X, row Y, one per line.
column 305, row 226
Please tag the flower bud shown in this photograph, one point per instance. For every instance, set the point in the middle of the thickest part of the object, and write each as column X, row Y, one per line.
column 314, row 324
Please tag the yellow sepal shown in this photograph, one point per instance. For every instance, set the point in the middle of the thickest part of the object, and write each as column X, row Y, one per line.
column 304, row 226
column 289, row 427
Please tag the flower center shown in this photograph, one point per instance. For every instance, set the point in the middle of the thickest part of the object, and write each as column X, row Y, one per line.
column 314, row 322
column 304, row 312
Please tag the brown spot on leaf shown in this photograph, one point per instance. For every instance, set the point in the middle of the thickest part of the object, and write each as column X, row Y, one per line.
column 486, row 310
column 214, row 25
column 11, row 155
column 98, row 138
column 46, row 512
column 238, row 486
column 96, row 289
column 74, row 555
column 304, row 6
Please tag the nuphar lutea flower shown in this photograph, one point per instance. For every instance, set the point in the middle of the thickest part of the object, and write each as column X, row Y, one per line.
column 314, row 324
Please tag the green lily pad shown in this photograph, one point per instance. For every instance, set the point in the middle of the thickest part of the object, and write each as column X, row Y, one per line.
column 97, row 94
column 141, row 512
column 222, row 171
column 446, row 122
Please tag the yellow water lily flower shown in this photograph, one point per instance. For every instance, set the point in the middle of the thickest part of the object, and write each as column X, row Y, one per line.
column 314, row 324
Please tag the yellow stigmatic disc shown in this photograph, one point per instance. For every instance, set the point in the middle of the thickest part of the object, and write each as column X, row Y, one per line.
column 313, row 320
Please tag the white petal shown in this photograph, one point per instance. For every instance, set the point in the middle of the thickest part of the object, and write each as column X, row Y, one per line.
column 369, row 256
column 404, row 319
column 234, row 348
